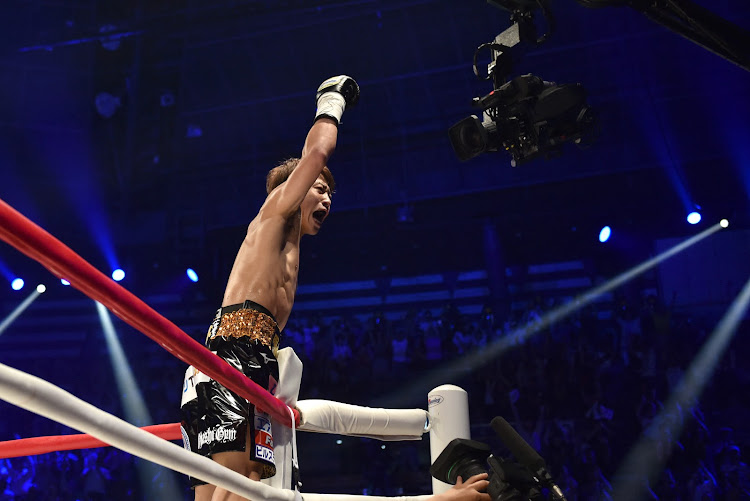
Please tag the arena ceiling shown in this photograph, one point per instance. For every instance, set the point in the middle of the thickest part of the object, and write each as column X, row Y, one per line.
column 205, row 97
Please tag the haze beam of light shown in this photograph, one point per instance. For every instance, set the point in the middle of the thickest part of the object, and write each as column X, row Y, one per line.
column 484, row 355
column 5, row 271
column 18, row 310
column 135, row 409
column 642, row 466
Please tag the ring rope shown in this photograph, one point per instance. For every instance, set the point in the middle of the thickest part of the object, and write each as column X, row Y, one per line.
column 101, row 428
column 48, row 400
column 44, row 398
column 55, row 443
column 43, row 445
column 321, row 416
column 64, row 263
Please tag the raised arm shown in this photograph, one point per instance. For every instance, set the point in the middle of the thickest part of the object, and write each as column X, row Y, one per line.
column 333, row 97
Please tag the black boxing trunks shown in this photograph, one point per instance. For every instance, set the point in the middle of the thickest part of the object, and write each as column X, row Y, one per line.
column 215, row 419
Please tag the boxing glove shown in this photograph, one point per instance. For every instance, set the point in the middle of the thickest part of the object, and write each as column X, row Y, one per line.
column 335, row 95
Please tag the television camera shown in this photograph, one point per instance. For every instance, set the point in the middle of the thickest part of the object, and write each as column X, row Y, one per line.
column 527, row 480
column 526, row 115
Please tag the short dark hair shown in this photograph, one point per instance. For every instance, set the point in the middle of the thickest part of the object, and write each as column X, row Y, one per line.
column 281, row 173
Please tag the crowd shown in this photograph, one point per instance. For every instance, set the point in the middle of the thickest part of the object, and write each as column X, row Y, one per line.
column 582, row 391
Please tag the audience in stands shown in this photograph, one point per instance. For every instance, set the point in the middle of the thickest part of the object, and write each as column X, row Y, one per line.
column 581, row 391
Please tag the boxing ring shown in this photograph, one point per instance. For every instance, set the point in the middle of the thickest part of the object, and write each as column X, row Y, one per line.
column 446, row 418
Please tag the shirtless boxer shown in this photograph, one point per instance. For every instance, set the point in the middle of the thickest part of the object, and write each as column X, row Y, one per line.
column 258, row 299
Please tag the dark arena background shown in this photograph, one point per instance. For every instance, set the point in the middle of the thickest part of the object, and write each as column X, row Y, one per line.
column 555, row 291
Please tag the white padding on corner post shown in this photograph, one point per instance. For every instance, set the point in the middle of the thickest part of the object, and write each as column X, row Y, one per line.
column 449, row 419
column 287, row 390
column 325, row 416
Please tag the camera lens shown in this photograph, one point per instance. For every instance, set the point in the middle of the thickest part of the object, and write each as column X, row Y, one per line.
column 466, row 468
column 471, row 137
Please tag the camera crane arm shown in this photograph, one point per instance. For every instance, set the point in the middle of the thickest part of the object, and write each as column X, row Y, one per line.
column 694, row 22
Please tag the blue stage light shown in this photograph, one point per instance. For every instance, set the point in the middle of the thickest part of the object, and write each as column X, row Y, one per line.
column 118, row 275
column 605, row 233
column 694, row 218
column 134, row 407
column 64, row 282
column 17, row 284
column 192, row 275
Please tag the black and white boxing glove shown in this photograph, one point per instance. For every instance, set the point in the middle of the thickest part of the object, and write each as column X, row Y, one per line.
column 335, row 95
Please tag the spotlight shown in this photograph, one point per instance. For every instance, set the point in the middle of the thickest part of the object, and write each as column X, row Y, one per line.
column 694, row 217
column 604, row 234
column 134, row 407
column 118, row 275
column 41, row 288
column 64, row 282
column 339, row 442
column 479, row 358
column 17, row 284
column 192, row 275
column 724, row 223
column 7, row 321
column 641, row 462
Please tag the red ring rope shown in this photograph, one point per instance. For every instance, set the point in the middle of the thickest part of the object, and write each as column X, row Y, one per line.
column 43, row 445
column 58, row 258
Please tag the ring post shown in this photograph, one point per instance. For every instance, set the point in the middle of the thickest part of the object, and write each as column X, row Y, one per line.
column 448, row 407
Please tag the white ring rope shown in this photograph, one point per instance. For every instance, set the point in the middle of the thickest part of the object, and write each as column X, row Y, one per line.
column 41, row 397
column 44, row 398
column 326, row 416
